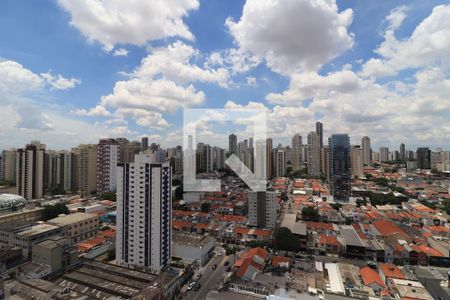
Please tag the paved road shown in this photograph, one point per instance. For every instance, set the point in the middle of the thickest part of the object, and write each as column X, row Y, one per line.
column 210, row 278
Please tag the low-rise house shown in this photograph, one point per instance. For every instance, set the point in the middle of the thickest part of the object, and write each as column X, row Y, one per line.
column 371, row 279
column 251, row 263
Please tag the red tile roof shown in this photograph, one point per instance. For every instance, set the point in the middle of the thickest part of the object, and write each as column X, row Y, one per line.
column 369, row 276
column 427, row 250
column 277, row 260
column 391, row 271
column 329, row 240
column 386, row 228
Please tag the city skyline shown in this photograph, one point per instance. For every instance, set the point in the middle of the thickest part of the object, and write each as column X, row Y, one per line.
column 350, row 76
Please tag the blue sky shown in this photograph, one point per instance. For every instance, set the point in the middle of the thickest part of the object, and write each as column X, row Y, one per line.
column 79, row 70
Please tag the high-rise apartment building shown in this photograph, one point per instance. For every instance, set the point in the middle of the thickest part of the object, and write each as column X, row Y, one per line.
column 357, row 161
column 144, row 214
column 366, row 151
column 260, row 159
column 384, row 154
column 324, row 161
column 280, row 162
column 319, row 131
column 339, row 167
column 232, row 144
column 86, row 168
column 269, row 158
column 297, row 152
column 107, row 159
column 423, row 158
column 402, row 154
column 313, row 154
column 262, row 211
column 30, row 171
column 8, row 165
column 144, row 141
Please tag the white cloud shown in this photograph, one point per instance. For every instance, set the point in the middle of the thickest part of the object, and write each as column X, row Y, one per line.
column 95, row 111
column 251, row 81
column 160, row 95
column 143, row 117
column 120, row 52
column 129, row 22
column 396, row 17
column 15, row 79
column 59, row 82
column 293, row 35
column 174, row 63
column 428, row 45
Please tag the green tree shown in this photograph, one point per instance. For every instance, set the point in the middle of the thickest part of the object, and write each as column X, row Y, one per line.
column 361, row 202
column 205, row 207
column 285, row 240
column 52, row 211
column 109, row 196
column 336, row 206
column 310, row 213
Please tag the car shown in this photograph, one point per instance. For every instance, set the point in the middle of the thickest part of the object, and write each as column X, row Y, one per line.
column 220, row 254
column 197, row 287
column 228, row 269
column 226, row 263
column 199, row 276
column 191, row 285
column 214, row 266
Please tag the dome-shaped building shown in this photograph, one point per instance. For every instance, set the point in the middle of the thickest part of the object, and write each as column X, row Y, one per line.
column 11, row 201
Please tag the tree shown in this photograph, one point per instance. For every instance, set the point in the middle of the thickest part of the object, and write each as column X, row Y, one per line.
column 285, row 240
column 310, row 213
column 205, row 207
column 179, row 192
column 109, row 196
column 360, row 202
column 336, row 206
column 52, row 211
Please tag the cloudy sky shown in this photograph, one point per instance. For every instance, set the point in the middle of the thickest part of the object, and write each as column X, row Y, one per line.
column 72, row 71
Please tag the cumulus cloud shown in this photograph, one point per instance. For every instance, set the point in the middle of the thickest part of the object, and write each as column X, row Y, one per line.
column 428, row 45
column 59, row 82
column 15, row 79
column 95, row 111
column 120, row 52
column 293, row 35
column 129, row 22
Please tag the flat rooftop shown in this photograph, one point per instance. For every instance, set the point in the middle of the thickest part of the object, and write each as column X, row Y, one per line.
column 351, row 237
column 71, row 218
column 38, row 229
column 191, row 240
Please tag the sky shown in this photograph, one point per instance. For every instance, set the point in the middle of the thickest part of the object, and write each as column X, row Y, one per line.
column 73, row 71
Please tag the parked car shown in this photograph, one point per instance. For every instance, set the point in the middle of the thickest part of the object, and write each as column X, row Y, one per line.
column 191, row 285
column 214, row 267
column 226, row 263
column 197, row 287
column 228, row 269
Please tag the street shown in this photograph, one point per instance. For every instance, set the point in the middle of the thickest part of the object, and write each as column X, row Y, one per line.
column 210, row 278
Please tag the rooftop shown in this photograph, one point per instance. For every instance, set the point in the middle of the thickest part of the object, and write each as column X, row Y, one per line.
column 38, row 229
column 71, row 218
column 191, row 240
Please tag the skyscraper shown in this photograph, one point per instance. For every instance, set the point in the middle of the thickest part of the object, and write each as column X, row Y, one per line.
column 423, row 158
column 384, row 154
column 9, row 165
column 366, row 151
column 339, row 167
column 30, row 171
column 296, row 152
column 86, row 156
column 144, row 214
column 107, row 159
column 269, row 158
column 262, row 211
column 357, row 161
column 232, row 144
column 402, row 152
column 313, row 154
column 280, row 162
column 144, row 143
column 319, row 131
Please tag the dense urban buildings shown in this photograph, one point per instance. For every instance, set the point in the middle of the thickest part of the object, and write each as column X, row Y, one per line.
column 144, row 214
column 107, row 159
